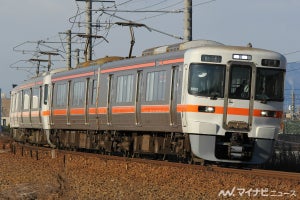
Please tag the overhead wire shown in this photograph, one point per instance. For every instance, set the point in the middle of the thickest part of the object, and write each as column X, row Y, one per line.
column 173, row 5
column 151, row 6
column 120, row 4
column 108, row 22
column 206, row 2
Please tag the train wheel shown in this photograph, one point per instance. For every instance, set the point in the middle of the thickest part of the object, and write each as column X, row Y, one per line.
column 195, row 160
column 190, row 159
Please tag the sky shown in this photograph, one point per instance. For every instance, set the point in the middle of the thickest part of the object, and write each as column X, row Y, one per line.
column 267, row 24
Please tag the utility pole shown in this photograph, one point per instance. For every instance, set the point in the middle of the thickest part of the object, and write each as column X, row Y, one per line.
column 293, row 106
column 89, row 30
column 69, row 47
column 77, row 56
column 188, row 12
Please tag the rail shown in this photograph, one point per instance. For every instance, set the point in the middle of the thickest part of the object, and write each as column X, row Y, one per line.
column 37, row 153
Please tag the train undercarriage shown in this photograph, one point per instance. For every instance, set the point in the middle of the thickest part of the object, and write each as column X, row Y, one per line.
column 165, row 146
column 154, row 145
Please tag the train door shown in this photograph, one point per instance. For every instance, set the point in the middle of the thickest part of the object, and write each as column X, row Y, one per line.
column 173, row 96
column 238, row 106
column 35, row 107
column 40, row 103
column 86, row 102
column 26, row 104
column 68, row 103
column 77, row 104
column 46, row 97
column 109, row 98
column 138, row 97
column 18, row 117
column 93, row 103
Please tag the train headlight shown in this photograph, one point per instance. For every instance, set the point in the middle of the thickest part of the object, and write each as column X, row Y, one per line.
column 207, row 109
column 241, row 57
column 268, row 113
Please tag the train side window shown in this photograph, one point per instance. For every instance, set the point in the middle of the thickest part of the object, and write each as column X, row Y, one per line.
column 26, row 99
column 13, row 103
column 78, row 93
column 18, row 101
column 156, row 86
column 125, row 88
column 61, row 94
column 35, row 98
column 46, row 94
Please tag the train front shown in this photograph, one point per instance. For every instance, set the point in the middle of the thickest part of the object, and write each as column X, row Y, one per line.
column 232, row 102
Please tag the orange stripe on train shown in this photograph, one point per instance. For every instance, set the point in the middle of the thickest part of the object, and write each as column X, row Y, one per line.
column 123, row 109
column 151, row 64
column 155, row 108
column 77, row 111
column 60, row 112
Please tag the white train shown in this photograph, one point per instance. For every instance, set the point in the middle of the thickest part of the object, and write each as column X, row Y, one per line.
column 199, row 99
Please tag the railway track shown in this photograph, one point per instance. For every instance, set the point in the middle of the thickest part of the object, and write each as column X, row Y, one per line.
column 36, row 152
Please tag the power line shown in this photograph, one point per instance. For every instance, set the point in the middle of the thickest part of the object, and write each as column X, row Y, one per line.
column 124, row 2
column 153, row 5
column 293, row 52
column 150, row 28
column 200, row 4
column 105, row 21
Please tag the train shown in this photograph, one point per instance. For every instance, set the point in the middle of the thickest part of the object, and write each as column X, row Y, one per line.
column 196, row 100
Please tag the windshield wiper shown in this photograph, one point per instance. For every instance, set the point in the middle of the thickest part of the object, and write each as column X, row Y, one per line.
column 265, row 99
column 214, row 96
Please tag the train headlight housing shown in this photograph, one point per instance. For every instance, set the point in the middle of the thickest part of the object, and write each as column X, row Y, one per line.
column 268, row 113
column 270, row 63
column 241, row 57
column 207, row 109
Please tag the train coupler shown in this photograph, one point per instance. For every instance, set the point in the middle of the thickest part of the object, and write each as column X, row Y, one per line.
column 234, row 146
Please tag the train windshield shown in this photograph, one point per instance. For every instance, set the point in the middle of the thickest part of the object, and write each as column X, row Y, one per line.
column 269, row 84
column 207, row 80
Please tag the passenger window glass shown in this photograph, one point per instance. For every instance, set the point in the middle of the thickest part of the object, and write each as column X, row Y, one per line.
column 46, row 94
column 94, row 92
column 18, row 101
column 35, row 98
column 156, row 86
column 26, row 99
column 240, row 79
column 78, row 94
column 61, row 94
column 125, row 88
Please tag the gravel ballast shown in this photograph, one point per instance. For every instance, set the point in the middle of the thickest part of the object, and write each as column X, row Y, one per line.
column 77, row 177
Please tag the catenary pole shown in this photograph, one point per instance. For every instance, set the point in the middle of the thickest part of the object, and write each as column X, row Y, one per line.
column 89, row 29
column 188, row 20
column 69, row 42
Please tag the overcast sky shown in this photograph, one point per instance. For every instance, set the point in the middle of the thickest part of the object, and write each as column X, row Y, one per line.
column 268, row 24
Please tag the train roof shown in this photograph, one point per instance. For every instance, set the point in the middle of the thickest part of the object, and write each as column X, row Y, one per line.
column 162, row 53
column 180, row 47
